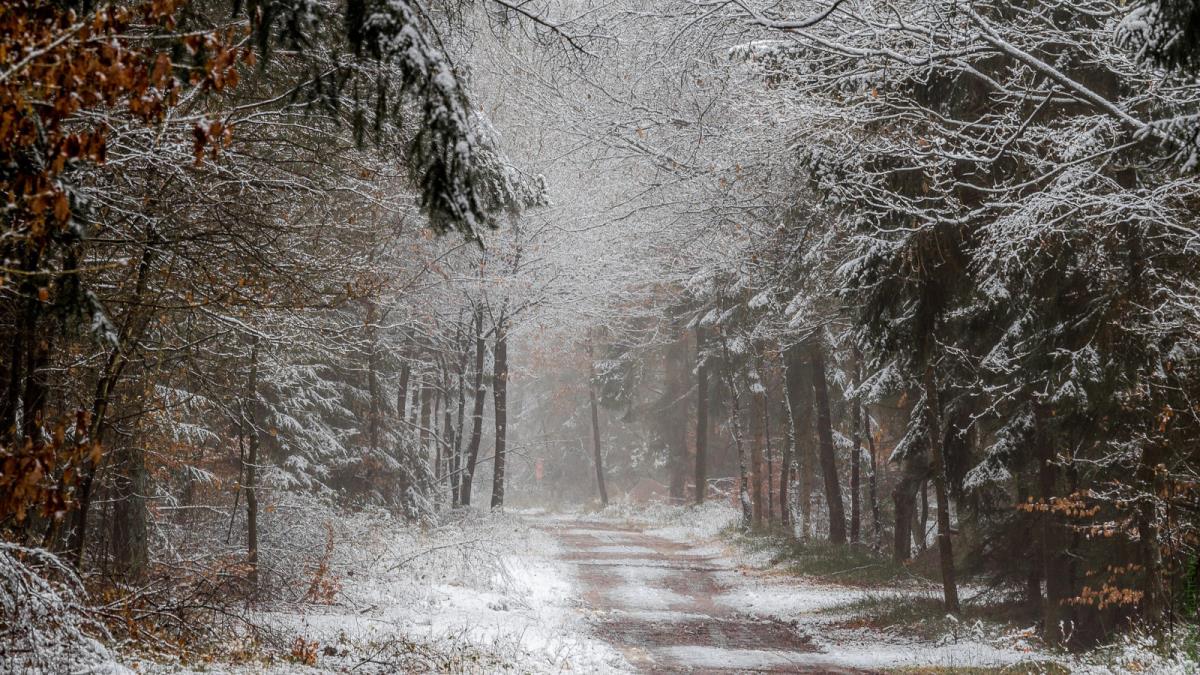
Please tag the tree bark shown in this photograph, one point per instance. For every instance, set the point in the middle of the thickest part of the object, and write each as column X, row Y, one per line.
column 24, row 334
column 479, row 398
column 945, row 547
column 1152, row 479
column 597, row 456
column 770, row 486
column 757, row 410
column 451, row 459
column 402, row 390
column 426, row 389
column 252, row 422
column 736, row 431
column 856, row 453
column 800, row 402
column 701, row 477
column 914, row 469
column 375, row 410
column 459, row 461
column 1055, row 540
column 1033, row 575
column 873, row 485
column 437, row 384
column 675, row 416
column 785, row 468
column 921, row 531
column 833, row 489
column 500, row 401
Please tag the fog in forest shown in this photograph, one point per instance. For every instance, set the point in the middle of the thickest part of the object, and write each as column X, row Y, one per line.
column 544, row 336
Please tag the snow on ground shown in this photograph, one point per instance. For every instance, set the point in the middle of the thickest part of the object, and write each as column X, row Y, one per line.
column 488, row 593
column 484, row 594
column 817, row 608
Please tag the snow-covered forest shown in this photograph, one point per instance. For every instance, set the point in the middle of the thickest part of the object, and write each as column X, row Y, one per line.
column 599, row 336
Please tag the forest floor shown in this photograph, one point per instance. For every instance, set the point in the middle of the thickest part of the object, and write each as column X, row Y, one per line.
column 678, row 589
column 680, row 598
column 657, row 590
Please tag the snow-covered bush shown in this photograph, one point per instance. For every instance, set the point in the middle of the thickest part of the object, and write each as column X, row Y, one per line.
column 45, row 626
column 1174, row 653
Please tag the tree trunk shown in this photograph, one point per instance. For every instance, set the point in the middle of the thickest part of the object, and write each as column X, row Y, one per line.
column 770, row 486
column 785, row 468
column 500, row 401
column 736, row 431
column 437, row 383
column 914, row 469
column 833, row 489
column 414, row 420
column 873, row 485
column 676, row 415
column 800, row 404
column 1152, row 479
column 426, row 389
column 375, row 410
column 701, row 418
column 597, row 456
column 921, row 531
column 402, row 392
column 12, row 389
column 757, row 410
column 252, row 422
column 856, row 453
column 129, row 529
column 1033, row 575
column 479, row 398
column 451, row 459
column 24, row 335
column 459, row 462
column 945, row 549
column 1055, row 541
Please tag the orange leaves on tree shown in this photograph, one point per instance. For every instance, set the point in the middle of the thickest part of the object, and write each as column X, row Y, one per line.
column 55, row 65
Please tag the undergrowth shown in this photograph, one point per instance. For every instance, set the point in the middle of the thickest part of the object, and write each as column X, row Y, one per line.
column 851, row 565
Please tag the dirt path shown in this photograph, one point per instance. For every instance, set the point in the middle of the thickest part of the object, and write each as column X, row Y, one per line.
column 653, row 599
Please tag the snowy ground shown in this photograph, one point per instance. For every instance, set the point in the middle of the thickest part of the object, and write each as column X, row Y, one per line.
column 487, row 594
column 673, row 599
column 653, row 591
column 823, row 615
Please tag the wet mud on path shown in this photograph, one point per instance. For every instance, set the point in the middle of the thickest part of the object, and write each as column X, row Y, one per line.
column 654, row 600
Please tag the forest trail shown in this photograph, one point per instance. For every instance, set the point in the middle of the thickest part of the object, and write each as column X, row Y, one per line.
column 655, row 600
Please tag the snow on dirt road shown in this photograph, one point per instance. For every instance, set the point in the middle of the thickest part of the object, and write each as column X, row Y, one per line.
column 670, row 597
column 657, row 601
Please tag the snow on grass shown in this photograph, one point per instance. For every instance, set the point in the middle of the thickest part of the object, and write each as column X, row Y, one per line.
column 838, row 619
column 483, row 593
column 1175, row 653
column 784, row 601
